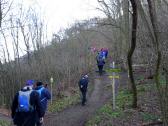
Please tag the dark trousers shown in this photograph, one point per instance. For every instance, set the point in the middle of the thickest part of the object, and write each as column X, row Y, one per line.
column 100, row 69
column 83, row 97
column 38, row 124
column 24, row 119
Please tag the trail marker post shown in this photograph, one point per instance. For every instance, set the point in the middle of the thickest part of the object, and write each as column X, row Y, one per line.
column 51, row 81
column 112, row 71
column 113, row 87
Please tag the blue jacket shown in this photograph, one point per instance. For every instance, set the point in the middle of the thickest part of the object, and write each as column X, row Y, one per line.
column 106, row 53
column 83, row 84
column 44, row 97
column 100, row 60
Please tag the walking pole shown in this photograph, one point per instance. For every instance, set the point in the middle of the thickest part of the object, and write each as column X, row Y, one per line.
column 51, row 81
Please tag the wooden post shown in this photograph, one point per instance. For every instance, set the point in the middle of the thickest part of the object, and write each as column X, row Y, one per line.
column 113, row 88
column 51, row 81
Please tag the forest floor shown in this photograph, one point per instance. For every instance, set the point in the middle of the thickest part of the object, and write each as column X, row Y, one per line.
column 146, row 114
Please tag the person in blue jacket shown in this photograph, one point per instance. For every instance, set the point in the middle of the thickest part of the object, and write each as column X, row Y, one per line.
column 83, row 84
column 26, row 108
column 104, row 51
column 100, row 62
column 44, row 94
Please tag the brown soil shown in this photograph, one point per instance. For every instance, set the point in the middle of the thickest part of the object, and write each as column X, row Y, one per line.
column 5, row 114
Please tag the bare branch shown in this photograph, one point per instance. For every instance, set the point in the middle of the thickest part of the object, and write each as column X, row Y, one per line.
column 8, row 10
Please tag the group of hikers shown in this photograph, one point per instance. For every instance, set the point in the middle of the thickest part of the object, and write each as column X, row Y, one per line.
column 100, row 58
column 84, row 80
column 30, row 103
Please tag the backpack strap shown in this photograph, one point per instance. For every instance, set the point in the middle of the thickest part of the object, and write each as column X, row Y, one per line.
column 39, row 92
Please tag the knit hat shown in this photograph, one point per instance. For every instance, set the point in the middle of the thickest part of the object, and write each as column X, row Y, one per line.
column 39, row 83
column 30, row 82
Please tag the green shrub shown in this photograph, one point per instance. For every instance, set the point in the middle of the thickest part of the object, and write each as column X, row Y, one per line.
column 4, row 123
column 94, row 121
column 124, row 98
column 63, row 103
column 148, row 116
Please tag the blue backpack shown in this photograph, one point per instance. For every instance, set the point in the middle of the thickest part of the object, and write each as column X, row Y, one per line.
column 24, row 101
column 39, row 92
column 100, row 58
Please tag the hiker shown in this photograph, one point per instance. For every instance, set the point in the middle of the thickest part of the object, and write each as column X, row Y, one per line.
column 104, row 52
column 26, row 107
column 83, row 84
column 100, row 62
column 46, row 85
column 44, row 96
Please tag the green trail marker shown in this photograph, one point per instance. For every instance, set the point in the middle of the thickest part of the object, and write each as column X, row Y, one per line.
column 116, row 70
column 116, row 77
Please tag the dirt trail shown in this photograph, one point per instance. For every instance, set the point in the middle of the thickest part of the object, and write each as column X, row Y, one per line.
column 78, row 115
column 4, row 117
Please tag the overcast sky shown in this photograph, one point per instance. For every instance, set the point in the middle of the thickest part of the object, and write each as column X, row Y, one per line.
column 57, row 14
column 62, row 13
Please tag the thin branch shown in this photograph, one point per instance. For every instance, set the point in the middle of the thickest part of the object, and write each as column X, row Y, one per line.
column 8, row 9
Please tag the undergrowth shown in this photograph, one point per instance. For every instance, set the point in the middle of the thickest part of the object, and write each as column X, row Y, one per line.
column 123, row 99
column 60, row 104
column 123, row 102
column 4, row 123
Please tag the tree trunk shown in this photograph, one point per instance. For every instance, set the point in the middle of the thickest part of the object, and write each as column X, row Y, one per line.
column 131, row 51
column 126, row 32
column 161, row 91
column 0, row 13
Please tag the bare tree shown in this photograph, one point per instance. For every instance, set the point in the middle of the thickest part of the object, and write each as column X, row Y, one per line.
column 161, row 93
column 0, row 12
column 131, row 51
